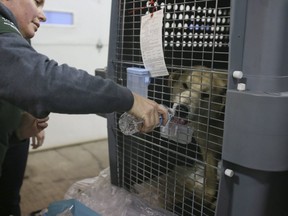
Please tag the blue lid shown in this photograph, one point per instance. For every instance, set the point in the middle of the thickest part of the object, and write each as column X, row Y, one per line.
column 138, row 71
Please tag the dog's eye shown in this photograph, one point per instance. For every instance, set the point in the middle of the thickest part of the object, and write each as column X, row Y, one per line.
column 185, row 86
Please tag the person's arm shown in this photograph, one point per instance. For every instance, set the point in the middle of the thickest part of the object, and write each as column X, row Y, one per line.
column 50, row 87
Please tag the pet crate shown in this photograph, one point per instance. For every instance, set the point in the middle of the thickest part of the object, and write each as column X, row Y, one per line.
column 244, row 43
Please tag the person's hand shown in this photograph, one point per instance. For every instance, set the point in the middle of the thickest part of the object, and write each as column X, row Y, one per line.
column 38, row 140
column 149, row 111
column 30, row 126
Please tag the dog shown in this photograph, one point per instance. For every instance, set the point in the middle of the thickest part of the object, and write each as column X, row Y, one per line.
column 198, row 95
column 198, row 98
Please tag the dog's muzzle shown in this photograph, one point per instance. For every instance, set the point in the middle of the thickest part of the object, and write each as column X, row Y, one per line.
column 180, row 114
column 178, row 128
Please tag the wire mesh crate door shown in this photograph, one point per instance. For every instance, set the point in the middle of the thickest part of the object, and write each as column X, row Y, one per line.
column 176, row 167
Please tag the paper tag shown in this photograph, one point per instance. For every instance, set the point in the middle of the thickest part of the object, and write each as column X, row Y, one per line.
column 151, row 44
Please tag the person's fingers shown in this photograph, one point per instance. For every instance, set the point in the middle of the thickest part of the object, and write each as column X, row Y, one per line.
column 150, row 121
column 147, row 125
column 43, row 119
column 38, row 140
column 34, row 143
column 149, row 111
column 33, row 140
column 164, row 114
column 37, row 144
column 42, row 125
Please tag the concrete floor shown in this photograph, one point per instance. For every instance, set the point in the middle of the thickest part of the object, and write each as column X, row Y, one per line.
column 50, row 173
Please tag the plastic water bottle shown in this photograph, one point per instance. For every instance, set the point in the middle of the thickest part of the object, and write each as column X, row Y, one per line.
column 130, row 124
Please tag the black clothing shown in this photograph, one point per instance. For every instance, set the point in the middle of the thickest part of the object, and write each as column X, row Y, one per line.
column 50, row 87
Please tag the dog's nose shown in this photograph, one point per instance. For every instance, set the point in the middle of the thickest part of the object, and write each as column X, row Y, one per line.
column 181, row 111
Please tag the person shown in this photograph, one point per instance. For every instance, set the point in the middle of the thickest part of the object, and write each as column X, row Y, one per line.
column 16, row 154
column 15, row 160
column 50, row 87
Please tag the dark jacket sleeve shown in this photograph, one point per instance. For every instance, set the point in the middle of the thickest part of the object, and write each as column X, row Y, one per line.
column 39, row 85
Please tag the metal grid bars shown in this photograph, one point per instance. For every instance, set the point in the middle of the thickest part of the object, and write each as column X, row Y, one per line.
column 194, row 32
column 175, row 167
column 197, row 33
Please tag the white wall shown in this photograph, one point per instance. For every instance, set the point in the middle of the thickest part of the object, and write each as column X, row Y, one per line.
column 76, row 46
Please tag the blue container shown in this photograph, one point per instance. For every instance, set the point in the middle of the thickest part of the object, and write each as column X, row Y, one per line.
column 138, row 80
column 73, row 206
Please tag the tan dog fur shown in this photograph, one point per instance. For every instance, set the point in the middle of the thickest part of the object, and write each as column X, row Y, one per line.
column 202, row 91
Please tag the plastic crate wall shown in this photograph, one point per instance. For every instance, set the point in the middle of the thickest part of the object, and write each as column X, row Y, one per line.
column 201, row 33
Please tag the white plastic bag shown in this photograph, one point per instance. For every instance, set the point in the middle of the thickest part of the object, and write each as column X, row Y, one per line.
column 109, row 200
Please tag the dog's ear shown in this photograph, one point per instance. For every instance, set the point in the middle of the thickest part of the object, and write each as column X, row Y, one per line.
column 221, row 80
column 221, row 83
column 173, row 77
